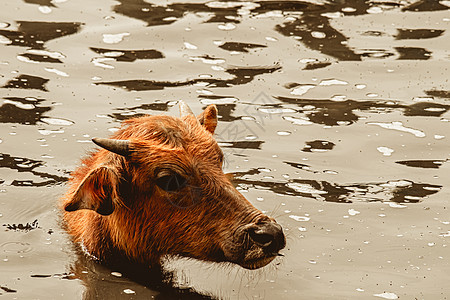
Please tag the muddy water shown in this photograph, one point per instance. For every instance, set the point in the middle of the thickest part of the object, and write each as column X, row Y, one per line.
column 333, row 118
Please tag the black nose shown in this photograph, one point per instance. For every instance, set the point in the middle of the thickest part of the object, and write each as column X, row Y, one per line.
column 269, row 236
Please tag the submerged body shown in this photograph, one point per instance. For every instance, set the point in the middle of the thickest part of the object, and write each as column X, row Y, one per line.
column 157, row 188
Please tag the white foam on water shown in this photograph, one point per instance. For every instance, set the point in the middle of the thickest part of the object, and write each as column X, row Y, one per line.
column 300, row 218
column 297, row 121
column 114, row 38
column 385, row 150
column 396, row 125
column 57, row 72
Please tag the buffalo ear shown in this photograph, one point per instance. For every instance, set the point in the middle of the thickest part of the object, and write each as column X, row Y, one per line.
column 97, row 192
column 208, row 118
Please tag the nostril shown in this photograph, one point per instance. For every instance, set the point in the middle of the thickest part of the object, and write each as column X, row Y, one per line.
column 261, row 237
column 269, row 236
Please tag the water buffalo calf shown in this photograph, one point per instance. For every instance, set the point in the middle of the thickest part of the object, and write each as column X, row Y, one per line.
column 157, row 188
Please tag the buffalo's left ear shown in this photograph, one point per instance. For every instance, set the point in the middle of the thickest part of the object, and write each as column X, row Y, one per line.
column 97, row 192
column 208, row 118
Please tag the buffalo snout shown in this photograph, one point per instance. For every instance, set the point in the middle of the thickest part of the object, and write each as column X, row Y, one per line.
column 269, row 236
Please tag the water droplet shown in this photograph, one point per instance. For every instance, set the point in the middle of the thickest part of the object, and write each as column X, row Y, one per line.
column 348, row 9
column 318, row 34
column 302, row 229
column 4, row 40
column 339, row 98
column 396, row 205
column 20, row 104
column 283, row 133
column 226, row 26
column 26, row 59
column 205, row 92
column 332, row 15
column 374, row 10
column 45, row 9
column 271, row 39
column 302, row 89
column 328, row 82
column 57, row 121
column 217, row 68
column 168, row 19
column 225, row 100
column 57, row 72
column 331, row 172
column 117, row 274
column 305, row 188
column 100, row 62
column 114, row 38
column 129, row 291
column 307, row 60
column 353, row 212
column 299, row 218
column 360, row 86
column 275, row 110
column 48, row 132
column 297, row 121
column 385, row 150
column 399, row 126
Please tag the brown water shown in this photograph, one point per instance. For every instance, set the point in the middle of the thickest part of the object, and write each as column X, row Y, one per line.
column 333, row 117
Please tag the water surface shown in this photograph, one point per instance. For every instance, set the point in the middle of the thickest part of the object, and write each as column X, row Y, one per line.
column 334, row 119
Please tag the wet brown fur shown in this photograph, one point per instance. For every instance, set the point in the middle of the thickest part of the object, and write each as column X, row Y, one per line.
column 115, row 210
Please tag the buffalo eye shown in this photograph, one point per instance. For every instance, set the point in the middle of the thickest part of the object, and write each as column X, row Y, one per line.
column 171, row 183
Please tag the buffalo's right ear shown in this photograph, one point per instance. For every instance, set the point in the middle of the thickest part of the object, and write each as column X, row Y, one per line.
column 97, row 192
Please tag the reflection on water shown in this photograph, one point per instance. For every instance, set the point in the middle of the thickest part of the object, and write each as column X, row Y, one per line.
column 401, row 191
column 334, row 45
column 427, row 164
column 408, row 34
column 23, row 227
column 332, row 113
column 240, row 47
column 413, row 53
column 36, row 34
column 121, row 279
column 256, row 60
column 41, row 2
column 128, row 55
column 439, row 94
column 27, row 82
column 25, row 111
column 27, row 165
column 318, row 146
column 155, row 15
column 425, row 5
column 240, row 76
column 133, row 112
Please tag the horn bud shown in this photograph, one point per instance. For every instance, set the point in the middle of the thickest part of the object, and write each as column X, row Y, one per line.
column 121, row 147
column 185, row 110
